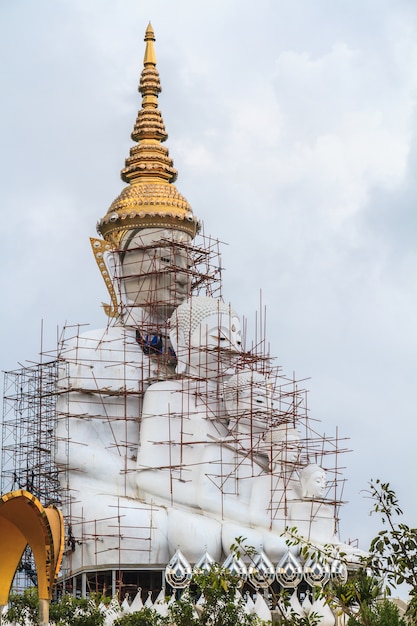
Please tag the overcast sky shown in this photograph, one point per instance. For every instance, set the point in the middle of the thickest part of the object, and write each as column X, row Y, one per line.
column 292, row 124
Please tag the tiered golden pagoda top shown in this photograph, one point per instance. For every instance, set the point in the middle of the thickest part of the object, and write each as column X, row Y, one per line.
column 150, row 200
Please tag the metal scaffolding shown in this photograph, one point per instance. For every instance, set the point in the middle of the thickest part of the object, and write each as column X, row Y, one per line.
column 94, row 382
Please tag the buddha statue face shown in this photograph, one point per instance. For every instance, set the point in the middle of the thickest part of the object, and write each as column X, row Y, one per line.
column 155, row 270
column 206, row 337
column 313, row 481
column 248, row 400
column 215, row 345
column 282, row 445
column 289, row 450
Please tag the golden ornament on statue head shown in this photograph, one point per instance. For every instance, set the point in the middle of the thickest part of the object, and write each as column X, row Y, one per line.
column 150, row 200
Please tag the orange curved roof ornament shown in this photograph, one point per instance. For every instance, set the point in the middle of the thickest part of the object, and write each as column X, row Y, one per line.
column 24, row 521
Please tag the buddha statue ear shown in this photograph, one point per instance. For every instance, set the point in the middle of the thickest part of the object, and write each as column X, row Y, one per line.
column 177, row 339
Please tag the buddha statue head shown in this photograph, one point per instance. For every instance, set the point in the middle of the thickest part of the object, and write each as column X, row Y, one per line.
column 248, row 400
column 206, row 337
column 155, row 270
column 313, row 481
column 282, row 444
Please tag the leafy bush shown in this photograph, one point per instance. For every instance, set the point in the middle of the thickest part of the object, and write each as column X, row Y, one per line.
column 23, row 607
column 69, row 611
column 145, row 617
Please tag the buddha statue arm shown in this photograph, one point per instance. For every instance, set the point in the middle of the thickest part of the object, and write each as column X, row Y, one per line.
column 170, row 445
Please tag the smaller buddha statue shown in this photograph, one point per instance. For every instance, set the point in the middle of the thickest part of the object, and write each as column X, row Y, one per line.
column 231, row 464
column 181, row 418
column 264, row 465
column 179, row 415
column 312, row 514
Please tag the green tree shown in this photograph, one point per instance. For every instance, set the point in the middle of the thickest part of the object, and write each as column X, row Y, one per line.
column 69, row 611
column 23, row 608
column 144, row 617
column 393, row 552
column 391, row 561
column 221, row 606
column 363, row 600
column 383, row 613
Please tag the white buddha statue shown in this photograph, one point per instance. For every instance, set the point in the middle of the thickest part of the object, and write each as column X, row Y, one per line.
column 106, row 371
column 104, row 374
column 242, row 475
column 282, row 445
column 312, row 514
column 231, row 462
column 198, row 456
column 272, row 491
column 248, row 402
column 144, row 259
column 160, row 442
column 181, row 417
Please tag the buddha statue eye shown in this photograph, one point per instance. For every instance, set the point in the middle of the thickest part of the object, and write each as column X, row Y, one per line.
column 218, row 337
column 165, row 259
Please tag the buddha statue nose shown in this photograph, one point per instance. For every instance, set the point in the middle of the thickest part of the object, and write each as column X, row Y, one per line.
column 182, row 279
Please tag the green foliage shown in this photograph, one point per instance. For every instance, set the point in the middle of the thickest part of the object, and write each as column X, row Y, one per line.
column 221, row 608
column 145, row 617
column 384, row 613
column 360, row 590
column 72, row 611
column 23, row 607
column 297, row 620
column 391, row 561
column 239, row 547
column 359, row 599
column 394, row 549
column 182, row 612
column 393, row 552
column 69, row 611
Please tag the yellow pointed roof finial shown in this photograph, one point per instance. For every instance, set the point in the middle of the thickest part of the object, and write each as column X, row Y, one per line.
column 150, row 199
column 150, row 56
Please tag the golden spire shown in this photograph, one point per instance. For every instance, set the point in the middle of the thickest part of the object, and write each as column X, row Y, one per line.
column 150, row 200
